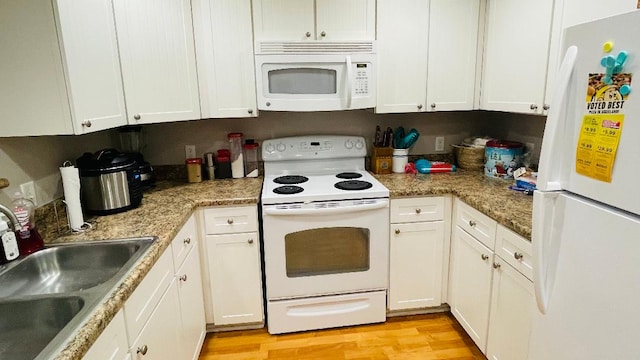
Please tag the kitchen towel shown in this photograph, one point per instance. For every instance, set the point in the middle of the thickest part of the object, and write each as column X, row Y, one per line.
column 71, row 188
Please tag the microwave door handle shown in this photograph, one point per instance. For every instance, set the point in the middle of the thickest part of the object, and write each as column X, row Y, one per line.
column 349, row 81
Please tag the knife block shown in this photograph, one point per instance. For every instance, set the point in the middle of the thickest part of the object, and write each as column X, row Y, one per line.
column 381, row 160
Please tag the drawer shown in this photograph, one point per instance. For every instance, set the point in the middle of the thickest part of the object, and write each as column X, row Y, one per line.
column 417, row 209
column 476, row 223
column 226, row 220
column 515, row 250
column 184, row 241
column 144, row 299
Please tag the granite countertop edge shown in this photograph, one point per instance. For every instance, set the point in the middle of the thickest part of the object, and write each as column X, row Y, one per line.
column 173, row 203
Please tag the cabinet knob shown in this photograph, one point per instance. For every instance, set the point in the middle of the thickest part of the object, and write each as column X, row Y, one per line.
column 419, row 106
column 397, row 231
column 418, row 211
column 518, row 256
column 533, row 107
column 250, row 241
column 433, row 106
column 496, row 266
column 136, row 116
column 187, row 241
column 484, row 257
column 182, row 278
column 250, row 111
column 472, row 223
column 308, row 34
column 142, row 350
column 86, row 123
column 229, row 221
column 546, row 107
column 323, row 34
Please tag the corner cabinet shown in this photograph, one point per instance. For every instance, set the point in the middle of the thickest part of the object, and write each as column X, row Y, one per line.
column 330, row 20
column 427, row 61
column 224, row 53
column 158, row 60
column 233, row 275
column 516, row 56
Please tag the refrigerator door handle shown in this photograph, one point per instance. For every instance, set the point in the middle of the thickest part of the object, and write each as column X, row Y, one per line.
column 550, row 169
column 544, row 241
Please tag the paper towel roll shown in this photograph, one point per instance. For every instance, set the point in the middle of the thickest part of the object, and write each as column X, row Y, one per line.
column 71, row 188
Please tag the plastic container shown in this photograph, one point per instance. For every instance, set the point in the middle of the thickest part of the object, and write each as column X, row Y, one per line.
column 400, row 159
column 194, row 170
column 223, row 164
column 237, row 158
column 502, row 158
column 250, row 158
column 29, row 239
column 209, row 166
column 8, row 243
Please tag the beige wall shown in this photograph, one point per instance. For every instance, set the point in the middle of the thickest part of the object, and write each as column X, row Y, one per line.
column 25, row 159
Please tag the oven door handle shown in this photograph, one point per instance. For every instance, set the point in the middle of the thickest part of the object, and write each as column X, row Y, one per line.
column 327, row 211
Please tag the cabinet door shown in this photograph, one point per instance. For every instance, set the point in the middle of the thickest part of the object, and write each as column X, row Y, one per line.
column 453, row 49
column 160, row 337
column 415, row 265
column 516, row 55
column 191, row 305
column 283, row 20
column 236, row 280
column 92, row 63
column 402, row 55
column 470, row 285
column 158, row 60
column 224, row 48
column 112, row 343
column 512, row 306
column 339, row 20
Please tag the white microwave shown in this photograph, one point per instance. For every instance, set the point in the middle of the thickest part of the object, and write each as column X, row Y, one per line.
column 315, row 77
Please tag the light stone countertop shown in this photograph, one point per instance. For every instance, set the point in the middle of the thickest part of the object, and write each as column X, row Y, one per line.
column 165, row 209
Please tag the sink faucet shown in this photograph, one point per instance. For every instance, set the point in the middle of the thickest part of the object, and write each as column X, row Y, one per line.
column 12, row 217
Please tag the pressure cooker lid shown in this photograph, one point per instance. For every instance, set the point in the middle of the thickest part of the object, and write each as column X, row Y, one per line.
column 105, row 161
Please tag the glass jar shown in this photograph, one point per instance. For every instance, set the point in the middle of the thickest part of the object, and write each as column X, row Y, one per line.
column 223, row 164
column 250, row 158
column 194, row 170
column 237, row 158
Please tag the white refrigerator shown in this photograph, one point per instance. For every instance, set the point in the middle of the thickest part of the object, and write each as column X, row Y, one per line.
column 586, row 213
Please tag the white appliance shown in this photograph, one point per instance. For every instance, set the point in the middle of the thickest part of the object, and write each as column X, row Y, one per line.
column 317, row 76
column 326, row 234
column 586, row 224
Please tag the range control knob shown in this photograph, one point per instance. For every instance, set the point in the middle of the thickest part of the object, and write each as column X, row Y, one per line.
column 270, row 148
column 359, row 144
column 348, row 144
column 281, row 147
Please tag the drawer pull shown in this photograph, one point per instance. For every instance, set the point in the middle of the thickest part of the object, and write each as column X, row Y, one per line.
column 472, row 223
column 418, row 211
column 518, row 255
column 187, row 241
column 250, row 241
column 182, row 278
column 496, row 266
column 484, row 257
column 397, row 231
column 142, row 350
column 229, row 221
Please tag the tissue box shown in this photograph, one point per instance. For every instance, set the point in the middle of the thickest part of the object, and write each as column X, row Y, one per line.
column 526, row 179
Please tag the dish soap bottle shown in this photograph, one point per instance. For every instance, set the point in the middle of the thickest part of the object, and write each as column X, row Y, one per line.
column 29, row 239
column 8, row 243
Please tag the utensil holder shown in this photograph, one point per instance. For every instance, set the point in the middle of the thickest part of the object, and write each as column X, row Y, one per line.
column 400, row 159
column 381, row 160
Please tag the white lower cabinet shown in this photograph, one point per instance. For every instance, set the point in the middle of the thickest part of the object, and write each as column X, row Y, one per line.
column 112, row 343
column 232, row 270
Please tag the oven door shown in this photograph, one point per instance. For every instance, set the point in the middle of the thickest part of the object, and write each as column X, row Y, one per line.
column 322, row 248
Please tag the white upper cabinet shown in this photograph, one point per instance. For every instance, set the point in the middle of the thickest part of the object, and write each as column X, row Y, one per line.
column 453, row 54
column 158, row 60
column 427, row 53
column 516, row 55
column 224, row 49
column 332, row 20
column 59, row 68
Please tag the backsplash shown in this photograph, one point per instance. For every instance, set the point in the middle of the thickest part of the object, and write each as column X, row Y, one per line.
column 37, row 159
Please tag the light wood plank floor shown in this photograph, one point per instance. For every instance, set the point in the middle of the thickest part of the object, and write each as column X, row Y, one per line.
column 433, row 336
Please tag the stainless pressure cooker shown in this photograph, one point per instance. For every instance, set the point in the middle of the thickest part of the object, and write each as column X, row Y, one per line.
column 109, row 182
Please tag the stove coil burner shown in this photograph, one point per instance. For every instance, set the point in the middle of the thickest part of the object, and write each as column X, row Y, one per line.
column 291, row 179
column 348, row 175
column 288, row 190
column 353, row 185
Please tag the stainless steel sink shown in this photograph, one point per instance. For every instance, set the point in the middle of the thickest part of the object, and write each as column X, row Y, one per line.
column 46, row 296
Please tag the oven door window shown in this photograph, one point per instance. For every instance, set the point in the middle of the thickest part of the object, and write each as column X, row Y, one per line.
column 326, row 251
column 303, row 81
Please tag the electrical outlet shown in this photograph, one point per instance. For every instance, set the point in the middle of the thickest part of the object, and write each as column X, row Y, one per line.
column 29, row 191
column 190, row 151
column 439, row 143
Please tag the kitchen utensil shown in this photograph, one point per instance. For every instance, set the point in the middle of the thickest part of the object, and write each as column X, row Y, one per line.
column 410, row 138
column 377, row 140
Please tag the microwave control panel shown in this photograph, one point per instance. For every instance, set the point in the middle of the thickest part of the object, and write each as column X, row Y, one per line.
column 362, row 77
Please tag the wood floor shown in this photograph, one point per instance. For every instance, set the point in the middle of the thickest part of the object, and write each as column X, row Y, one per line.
column 433, row 336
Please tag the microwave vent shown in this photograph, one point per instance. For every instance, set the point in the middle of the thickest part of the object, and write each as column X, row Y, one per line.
column 315, row 47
